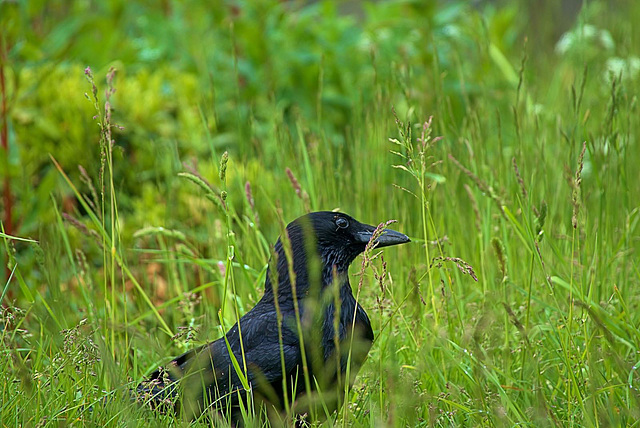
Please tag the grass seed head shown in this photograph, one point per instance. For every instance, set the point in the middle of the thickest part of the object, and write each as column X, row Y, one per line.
column 501, row 255
column 223, row 166
column 575, row 194
column 540, row 219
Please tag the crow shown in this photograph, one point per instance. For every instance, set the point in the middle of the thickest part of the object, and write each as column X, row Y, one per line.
column 299, row 347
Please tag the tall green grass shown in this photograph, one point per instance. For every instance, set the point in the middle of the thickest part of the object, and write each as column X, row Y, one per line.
column 154, row 249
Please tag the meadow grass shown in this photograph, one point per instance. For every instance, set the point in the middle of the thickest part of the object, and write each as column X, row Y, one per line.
column 508, row 163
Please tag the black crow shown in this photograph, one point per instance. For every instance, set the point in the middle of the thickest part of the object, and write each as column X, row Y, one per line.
column 299, row 346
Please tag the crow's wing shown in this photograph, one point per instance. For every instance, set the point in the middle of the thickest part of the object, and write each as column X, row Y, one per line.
column 210, row 367
column 258, row 351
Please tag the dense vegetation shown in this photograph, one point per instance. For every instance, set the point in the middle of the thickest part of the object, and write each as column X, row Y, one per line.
column 155, row 151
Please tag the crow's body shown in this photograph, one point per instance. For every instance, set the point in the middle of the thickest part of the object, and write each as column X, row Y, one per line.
column 323, row 245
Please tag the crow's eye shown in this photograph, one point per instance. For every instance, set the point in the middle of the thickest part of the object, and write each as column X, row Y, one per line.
column 342, row 223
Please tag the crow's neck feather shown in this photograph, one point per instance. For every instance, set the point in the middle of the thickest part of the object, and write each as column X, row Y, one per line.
column 333, row 268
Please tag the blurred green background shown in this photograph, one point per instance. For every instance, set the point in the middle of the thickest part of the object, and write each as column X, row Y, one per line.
column 131, row 259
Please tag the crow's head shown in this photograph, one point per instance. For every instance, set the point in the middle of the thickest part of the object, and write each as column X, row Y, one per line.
column 340, row 238
column 334, row 239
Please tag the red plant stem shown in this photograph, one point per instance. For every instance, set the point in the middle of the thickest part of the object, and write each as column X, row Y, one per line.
column 4, row 141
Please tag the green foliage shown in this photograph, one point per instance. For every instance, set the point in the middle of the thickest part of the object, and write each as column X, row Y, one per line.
column 152, row 249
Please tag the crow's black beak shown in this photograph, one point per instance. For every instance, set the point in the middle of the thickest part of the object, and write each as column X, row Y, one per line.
column 388, row 237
